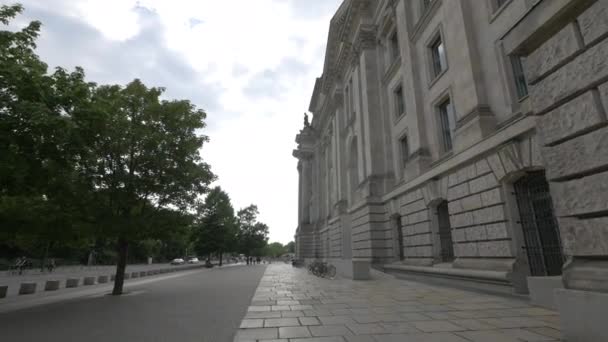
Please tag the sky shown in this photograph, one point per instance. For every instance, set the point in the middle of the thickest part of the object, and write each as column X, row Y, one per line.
column 250, row 64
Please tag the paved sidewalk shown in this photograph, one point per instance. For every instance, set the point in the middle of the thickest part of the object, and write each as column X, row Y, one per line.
column 292, row 306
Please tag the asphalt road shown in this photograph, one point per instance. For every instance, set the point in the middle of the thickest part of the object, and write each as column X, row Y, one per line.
column 201, row 306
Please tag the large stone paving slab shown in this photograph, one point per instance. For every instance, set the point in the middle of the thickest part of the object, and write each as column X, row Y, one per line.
column 292, row 306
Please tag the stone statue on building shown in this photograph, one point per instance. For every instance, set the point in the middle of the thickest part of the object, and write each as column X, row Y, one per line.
column 306, row 122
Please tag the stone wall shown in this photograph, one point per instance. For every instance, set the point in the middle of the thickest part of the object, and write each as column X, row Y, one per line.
column 567, row 67
column 569, row 77
column 416, row 225
column 335, row 239
column 371, row 234
column 477, row 213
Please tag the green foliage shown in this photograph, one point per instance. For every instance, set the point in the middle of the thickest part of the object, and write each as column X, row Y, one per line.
column 39, row 188
column 86, row 167
column 290, row 247
column 82, row 164
column 253, row 235
column 215, row 229
column 274, row 250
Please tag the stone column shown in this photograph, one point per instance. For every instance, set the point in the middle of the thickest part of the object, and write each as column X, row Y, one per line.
column 304, row 154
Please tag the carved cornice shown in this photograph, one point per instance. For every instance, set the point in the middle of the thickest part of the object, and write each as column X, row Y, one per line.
column 421, row 152
column 365, row 38
column 303, row 155
column 338, row 46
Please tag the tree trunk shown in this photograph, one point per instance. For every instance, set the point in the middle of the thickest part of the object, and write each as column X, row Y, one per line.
column 121, row 266
column 44, row 256
column 221, row 258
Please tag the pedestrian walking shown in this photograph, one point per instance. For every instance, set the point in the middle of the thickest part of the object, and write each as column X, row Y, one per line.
column 51, row 265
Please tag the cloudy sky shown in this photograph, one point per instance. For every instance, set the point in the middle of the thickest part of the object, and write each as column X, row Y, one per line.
column 251, row 64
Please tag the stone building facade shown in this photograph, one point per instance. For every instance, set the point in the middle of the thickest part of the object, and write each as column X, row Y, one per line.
column 464, row 142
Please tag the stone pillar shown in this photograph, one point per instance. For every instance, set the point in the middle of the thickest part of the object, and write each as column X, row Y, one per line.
column 304, row 153
column 567, row 68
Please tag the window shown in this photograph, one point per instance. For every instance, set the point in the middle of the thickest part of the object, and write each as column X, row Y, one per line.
column 405, row 150
column 446, row 124
column 351, row 101
column 426, row 4
column 399, row 101
column 439, row 60
column 498, row 3
column 521, row 85
column 347, row 109
column 394, row 41
column 445, row 233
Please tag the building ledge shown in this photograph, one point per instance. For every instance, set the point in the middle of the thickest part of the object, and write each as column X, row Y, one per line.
column 496, row 277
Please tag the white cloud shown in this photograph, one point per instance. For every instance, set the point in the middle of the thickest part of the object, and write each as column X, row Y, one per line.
column 251, row 64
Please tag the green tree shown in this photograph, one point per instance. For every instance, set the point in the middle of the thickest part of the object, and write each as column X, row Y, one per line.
column 143, row 160
column 40, row 191
column 215, row 229
column 274, row 250
column 291, row 247
column 253, row 235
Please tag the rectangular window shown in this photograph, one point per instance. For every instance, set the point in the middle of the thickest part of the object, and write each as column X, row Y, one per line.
column 394, row 47
column 347, row 105
column 446, row 124
column 351, row 103
column 521, row 84
column 438, row 57
column 399, row 101
column 405, row 151
column 425, row 4
column 499, row 3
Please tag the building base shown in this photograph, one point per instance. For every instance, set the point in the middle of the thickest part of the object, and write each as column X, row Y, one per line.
column 542, row 290
column 583, row 315
column 480, row 280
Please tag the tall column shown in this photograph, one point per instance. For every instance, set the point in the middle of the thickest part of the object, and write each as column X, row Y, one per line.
column 305, row 238
column 374, row 147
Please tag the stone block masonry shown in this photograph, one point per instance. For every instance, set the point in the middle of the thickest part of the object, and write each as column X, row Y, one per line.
column 290, row 303
column 569, row 98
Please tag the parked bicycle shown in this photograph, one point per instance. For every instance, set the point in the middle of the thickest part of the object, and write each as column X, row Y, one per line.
column 322, row 269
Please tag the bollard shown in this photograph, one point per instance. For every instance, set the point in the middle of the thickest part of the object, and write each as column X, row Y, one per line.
column 3, row 290
column 51, row 285
column 142, row 274
column 102, row 279
column 135, row 275
column 89, row 281
column 72, row 282
column 27, row 288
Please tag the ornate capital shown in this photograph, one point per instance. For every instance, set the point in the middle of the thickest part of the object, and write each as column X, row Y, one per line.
column 302, row 155
column 365, row 38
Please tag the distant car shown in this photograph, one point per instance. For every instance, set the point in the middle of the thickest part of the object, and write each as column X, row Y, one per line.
column 193, row 260
column 177, row 261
